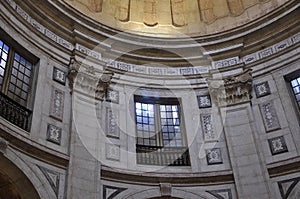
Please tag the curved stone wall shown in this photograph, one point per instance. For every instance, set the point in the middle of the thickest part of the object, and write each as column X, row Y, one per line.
column 239, row 115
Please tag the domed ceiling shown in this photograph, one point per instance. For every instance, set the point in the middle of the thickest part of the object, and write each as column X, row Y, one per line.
column 173, row 18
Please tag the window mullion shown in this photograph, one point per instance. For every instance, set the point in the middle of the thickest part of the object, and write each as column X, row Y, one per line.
column 158, row 125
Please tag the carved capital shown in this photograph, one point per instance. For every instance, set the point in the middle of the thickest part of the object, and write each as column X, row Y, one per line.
column 87, row 81
column 231, row 90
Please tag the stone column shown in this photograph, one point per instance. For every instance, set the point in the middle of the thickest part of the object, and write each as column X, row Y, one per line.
column 233, row 96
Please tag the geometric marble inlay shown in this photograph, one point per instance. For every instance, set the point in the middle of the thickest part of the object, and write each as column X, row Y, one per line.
column 262, row 89
column 54, row 134
column 214, row 156
column 52, row 177
column 277, row 145
column 59, row 76
column 287, row 186
column 110, row 192
column 204, row 101
column 221, row 194
column 270, row 118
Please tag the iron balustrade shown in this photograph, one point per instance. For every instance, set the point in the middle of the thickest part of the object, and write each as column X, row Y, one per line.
column 162, row 156
column 14, row 112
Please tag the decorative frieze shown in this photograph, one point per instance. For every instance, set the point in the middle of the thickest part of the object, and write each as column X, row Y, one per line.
column 112, row 127
column 214, row 156
column 112, row 152
column 277, row 145
column 57, row 104
column 59, row 76
column 204, row 101
column 225, row 62
column 262, row 89
column 269, row 114
column 231, row 90
column 207, row 127
column 54, row 134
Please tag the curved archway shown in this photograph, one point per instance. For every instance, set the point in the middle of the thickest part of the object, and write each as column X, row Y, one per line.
column 14, row 184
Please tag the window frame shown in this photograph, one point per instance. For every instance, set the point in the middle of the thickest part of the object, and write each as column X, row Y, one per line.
column 14, row 48
column 288, row 78
column 157, row 101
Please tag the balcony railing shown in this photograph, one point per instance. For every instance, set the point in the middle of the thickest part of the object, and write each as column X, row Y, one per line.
column 14, row 112
column 163, row 156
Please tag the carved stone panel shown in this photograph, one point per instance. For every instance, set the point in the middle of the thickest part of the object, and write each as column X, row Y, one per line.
column 207, row 127
column 112, row 127
column 269, row 114
column 112, row 152
column 277, row 145
column 204, row 101
column 59, row 76
column 214, row 156
column 262, row 89
column 112, row 96
column 54, row 134
column 57, row 104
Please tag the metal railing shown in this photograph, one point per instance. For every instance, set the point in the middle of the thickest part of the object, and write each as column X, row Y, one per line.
column 163, row 156
column 14, row 112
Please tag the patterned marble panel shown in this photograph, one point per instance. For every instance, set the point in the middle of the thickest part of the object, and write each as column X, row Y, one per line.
column 214, row 156
column 54, row 134
column 112, row 127
column 204, row 101
column 277, row 145
column 112, row 152
column 57, row 104
column 262, row 89
column 289, row 188
column 207, row 127
column 110, row 192
column 269, row 114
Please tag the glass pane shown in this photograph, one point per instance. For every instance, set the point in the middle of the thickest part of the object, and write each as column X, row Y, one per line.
column 19, row 81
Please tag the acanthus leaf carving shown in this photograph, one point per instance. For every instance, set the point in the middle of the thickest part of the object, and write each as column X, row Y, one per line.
column 87, row 81
column 231, row 90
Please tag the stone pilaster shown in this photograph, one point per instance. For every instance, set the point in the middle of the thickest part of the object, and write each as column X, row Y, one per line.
column 233, row 96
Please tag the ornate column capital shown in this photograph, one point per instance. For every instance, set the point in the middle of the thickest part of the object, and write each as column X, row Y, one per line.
column 231, row 90
column 87, row 80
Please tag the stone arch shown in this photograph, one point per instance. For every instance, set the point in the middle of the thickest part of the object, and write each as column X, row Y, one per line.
column 21, row 179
